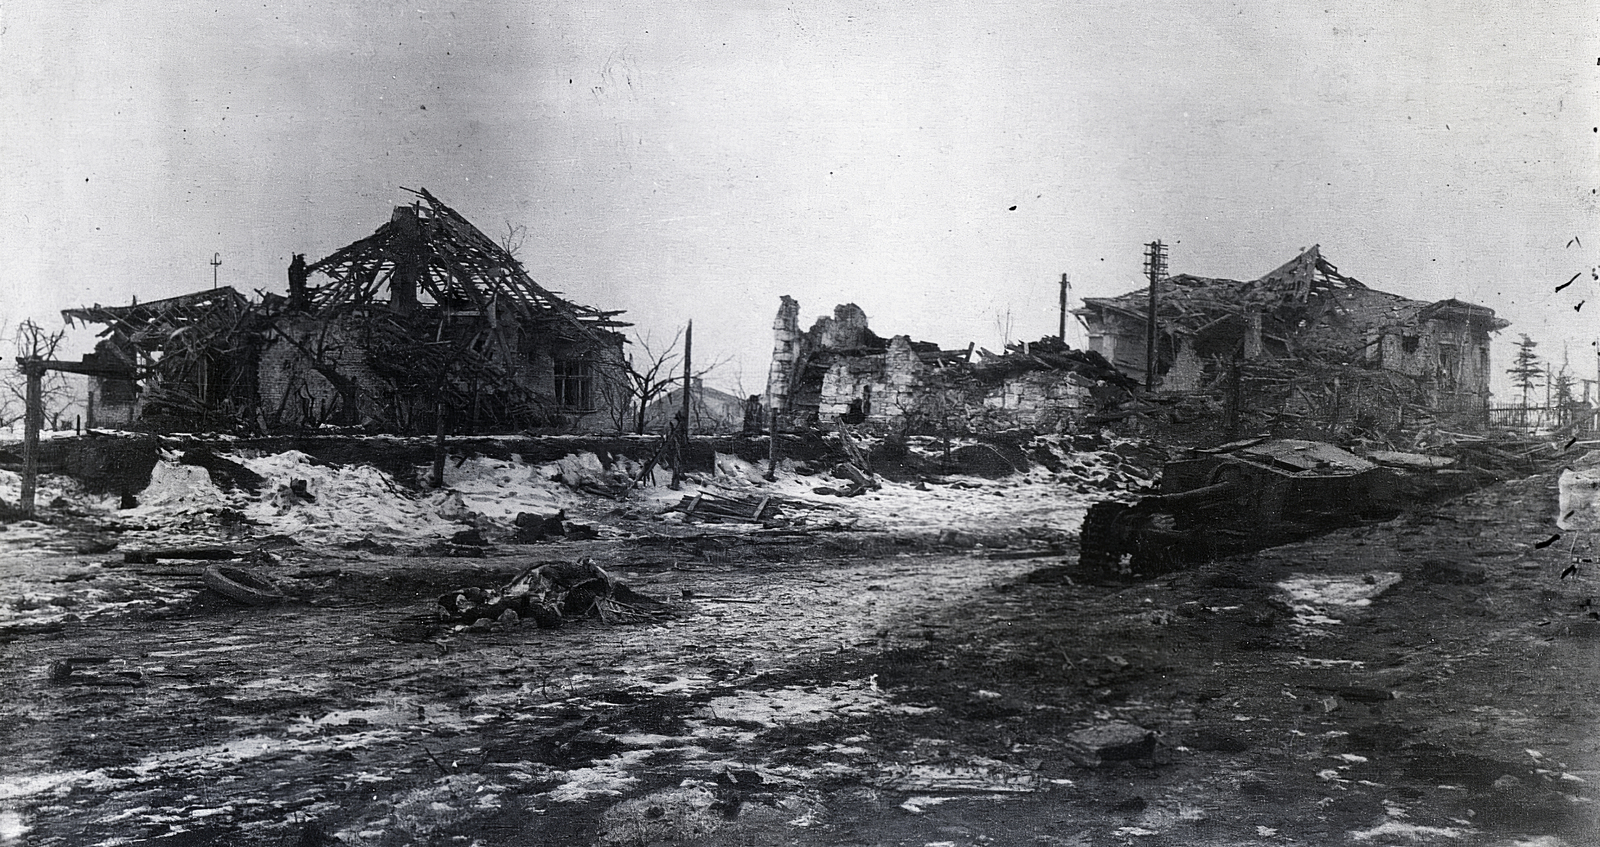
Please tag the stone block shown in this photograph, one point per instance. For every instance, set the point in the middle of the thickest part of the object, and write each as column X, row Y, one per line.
column 1111, row 742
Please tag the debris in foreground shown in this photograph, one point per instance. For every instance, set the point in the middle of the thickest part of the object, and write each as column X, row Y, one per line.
column 242, row 584
column 552, row 593
column 707, row 506
column 1117, row 741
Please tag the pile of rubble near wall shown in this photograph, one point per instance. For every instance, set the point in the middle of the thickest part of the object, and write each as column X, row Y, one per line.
column 1041, row 386
column 840, row 370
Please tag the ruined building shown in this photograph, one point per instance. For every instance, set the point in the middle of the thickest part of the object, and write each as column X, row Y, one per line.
column 1306, row 342
column 425, row 323
column 711, row 412
column 209, row 366
column 840, row 370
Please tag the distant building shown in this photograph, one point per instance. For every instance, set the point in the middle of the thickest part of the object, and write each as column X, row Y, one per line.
column 711, row 412
column 1305, row 317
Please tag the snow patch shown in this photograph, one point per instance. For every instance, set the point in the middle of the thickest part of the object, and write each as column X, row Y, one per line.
column 12, row 827
column 606, row 777
column 920, row 803
column 1408, row 831
column 798, row 705
column 1319, row 599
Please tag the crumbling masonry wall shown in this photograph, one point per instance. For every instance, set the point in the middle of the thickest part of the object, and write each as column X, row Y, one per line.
column 801, row 361
column 900, row 385
column 1046, row 401
column 294, row 394
column 887, row 384
column 787, row 354
column 1450, row 359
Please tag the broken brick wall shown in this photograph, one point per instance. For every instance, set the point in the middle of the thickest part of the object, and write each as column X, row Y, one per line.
column 801, row 361
column 294, row 394
column 898, row 389
column 840, row 369
column 886, row 384
column 1045, row 401
column 1450, row 357
column 788, row 354
column 965, row 399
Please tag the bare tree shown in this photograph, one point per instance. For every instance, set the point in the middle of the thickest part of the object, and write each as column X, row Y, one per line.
column 35, row 342
column 652, row 374
column 513, row 239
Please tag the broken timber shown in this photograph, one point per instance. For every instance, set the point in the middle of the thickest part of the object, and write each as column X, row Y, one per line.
column 714, row 508
column 33, row 369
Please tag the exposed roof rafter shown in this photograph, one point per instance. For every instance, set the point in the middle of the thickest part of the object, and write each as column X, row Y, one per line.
column 429, row 249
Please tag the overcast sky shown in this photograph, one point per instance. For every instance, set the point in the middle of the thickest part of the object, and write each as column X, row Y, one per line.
column 939, row 163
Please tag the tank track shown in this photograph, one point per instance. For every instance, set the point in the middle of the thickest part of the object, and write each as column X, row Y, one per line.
column 1113, row 546
column 1100, row 545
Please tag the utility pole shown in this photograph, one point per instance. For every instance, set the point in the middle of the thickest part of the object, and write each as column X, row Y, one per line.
column 1155, row 264
column 688, row 348
column 683, row 413
column 1066, row 288
column 216, row 262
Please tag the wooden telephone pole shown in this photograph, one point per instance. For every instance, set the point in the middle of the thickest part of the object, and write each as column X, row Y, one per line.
column 32, row 421
column 1155, row 264
column 684, row 413
column 1066, row 289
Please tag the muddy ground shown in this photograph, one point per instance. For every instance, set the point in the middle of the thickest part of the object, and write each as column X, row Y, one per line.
column 846, row 689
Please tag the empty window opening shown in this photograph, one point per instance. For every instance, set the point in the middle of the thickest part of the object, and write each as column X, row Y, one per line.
column 575, row 384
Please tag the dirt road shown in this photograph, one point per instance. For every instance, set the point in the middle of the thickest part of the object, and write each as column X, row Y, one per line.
column 1424, row 681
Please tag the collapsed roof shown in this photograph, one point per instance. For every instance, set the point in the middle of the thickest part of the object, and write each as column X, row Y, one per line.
column 426, row 312
column 1051, row 354
column 428, row 254
column 1306, row 299
column 186, row 323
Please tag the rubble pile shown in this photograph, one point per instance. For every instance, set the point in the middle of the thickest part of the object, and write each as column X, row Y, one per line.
column 550, row 594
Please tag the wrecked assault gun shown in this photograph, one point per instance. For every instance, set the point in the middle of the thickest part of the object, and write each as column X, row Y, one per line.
column 1239, row 497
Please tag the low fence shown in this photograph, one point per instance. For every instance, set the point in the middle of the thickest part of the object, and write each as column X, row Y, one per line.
column 1577, row 420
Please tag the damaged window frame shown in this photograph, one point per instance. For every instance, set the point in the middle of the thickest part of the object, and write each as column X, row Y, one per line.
column 575, row 384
